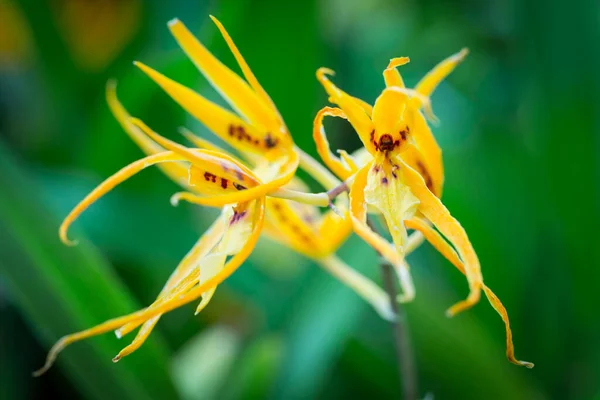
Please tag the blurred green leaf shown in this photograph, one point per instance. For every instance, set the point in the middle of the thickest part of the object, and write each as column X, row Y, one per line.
column 61, row 290
column 202, row 366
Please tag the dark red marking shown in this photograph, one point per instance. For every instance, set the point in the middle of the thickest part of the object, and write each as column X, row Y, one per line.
column 386, row 142
column 210, row 177
column 224, row 183
column 426, row 176
column 270, row 141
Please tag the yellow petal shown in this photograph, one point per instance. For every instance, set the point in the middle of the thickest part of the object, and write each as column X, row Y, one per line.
column 237, row 92
column 241, row 135
column 298, row 233
column 433, row 209
column 175, row 302
column 204, row 244
column 391, row 75
column 258, row 89
column 106, row 186
column 176, row 171
column 355, row 111
column 433, row 78
column 320, row 138
column 450, row 254
column 286, row 173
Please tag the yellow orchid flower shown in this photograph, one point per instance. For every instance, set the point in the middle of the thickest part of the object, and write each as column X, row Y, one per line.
column 261, row 136
column 401, row 178
column 286, row 221
column 217, row 179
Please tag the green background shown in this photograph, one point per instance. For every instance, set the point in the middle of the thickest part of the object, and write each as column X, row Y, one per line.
column 520, row 130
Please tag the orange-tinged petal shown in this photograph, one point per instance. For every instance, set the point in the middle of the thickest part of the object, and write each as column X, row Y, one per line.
column 450, row 254
column 320, row 138
column 106, row 186
column 233, row 88
column 299, row 234
column 334, row 230
column 427, row 85
column 355, row 111
column 391, row 75
column 241, row 135
column 433, row 209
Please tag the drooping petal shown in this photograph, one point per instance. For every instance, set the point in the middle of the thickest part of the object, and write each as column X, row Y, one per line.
column 233, row 88
column 241, row 135
column 354, row 110
column 206, row 260
column 146, row 314
column 450, row 254
column 427, row 85
column 204, row 244
column 433, row 209
column 106, row 186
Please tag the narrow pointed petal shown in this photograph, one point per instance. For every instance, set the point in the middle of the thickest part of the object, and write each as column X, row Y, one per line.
column 241, row 135
column 287, row 172
column 248, row 74
column 211, row 173
column 233, row 88
column 106, row 186
column 187, row 294
column 433, row 209
column 450, row 254
column 204, row 244
column 176, row 171
column 433, row 78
